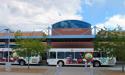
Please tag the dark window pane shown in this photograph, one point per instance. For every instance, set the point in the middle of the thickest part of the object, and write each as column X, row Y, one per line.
column 96, row 54
column 5, row 54
column 79, row 55
column 69, row 54
column 60, row 55
column 52, row 55
column 104, row 54
column 71, row 24
column 1, row 54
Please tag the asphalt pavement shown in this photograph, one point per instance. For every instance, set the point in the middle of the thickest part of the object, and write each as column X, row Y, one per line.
column 53, row 70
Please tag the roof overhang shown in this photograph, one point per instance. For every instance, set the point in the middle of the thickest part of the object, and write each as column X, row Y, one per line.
column 55, row 37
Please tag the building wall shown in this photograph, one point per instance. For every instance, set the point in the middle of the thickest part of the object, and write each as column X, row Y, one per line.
column 12, row 44
column 72, row 44
column 24, row 34
column 71, row 31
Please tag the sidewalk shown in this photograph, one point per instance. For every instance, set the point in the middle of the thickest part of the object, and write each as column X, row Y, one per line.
column 53, row 71
column 14, row 73
column 15, row 70
column 69, row 71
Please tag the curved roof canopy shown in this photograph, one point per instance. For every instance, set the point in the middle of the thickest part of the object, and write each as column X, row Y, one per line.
column 71, row 24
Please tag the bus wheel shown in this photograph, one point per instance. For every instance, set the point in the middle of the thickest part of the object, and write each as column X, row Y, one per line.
column 60, row 63
column 96, row 64
column 21, row 62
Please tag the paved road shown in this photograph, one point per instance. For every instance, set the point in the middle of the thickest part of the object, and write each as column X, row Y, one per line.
column 65, row 70
column 77, row 71
column 54, row 71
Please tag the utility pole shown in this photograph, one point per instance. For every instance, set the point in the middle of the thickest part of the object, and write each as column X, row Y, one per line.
column 95, row 30
column 8, row 64
column 49, row 31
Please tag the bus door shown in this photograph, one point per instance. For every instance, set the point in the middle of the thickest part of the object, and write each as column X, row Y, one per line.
column 103, row 58
column 2, row 59
column 4, row 56
column 52, row 58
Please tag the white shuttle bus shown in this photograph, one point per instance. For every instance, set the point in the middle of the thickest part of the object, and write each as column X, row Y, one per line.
column 15, row 59
column 75, row 56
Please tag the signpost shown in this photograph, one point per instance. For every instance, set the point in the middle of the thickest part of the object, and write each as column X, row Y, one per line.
column 58, row 69
column 8, row 64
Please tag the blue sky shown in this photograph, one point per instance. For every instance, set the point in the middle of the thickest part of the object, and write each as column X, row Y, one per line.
column 30, row 15
column 96, row 12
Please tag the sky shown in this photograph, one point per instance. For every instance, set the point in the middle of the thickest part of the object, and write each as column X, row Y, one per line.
column 37, row 15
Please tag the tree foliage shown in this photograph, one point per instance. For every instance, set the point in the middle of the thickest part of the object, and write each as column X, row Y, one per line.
column 30, row 46
column 27, row 47
column 111, row 41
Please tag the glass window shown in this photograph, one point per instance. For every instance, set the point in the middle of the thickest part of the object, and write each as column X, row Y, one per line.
column 53, row 55
column 71, row 24
column 69, row 54
column 5, row 54
column 60, row 55
column 1, row 54
column 79, row 55
column 96, row 54
column 104, row 54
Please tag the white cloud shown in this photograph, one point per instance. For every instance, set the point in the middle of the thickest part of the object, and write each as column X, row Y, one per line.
column 89, row 2
column 95, row 2
column 113, row 22
column 28, row 15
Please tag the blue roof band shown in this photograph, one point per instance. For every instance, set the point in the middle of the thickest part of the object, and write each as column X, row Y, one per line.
column 52, row 37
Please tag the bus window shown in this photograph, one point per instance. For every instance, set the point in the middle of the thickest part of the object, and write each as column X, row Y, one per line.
column 52, row 55
column 6, row 54
column 79, row 55
column 69, row 54
column 96, row 54
column 60, row 55
column 104, row 54
column 1, row 54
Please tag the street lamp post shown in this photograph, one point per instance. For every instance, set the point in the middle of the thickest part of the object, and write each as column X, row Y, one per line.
column 8, row 64
column 49, row 31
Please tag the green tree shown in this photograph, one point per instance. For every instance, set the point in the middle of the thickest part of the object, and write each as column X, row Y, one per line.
column 111, row 41
column 27, row 47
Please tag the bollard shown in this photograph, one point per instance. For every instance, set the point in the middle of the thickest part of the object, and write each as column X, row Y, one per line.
column 91, row 69
column 122, row 68
column 58, row 69
column 7, row 66
column 86, row 67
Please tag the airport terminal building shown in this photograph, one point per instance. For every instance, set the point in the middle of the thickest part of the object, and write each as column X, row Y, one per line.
column 64, row 34
column 74, row 33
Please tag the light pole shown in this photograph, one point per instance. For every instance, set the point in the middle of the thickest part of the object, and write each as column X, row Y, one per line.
column 48, row 31
column 95, row 30
column 8, row 64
